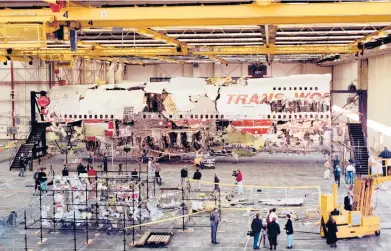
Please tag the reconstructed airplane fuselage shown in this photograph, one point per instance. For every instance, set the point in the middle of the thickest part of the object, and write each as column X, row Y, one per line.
column 187, row 114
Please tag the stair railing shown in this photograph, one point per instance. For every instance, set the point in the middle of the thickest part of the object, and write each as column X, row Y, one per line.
column 14, row 153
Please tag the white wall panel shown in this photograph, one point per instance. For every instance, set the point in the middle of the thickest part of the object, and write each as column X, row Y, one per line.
column 379, row 101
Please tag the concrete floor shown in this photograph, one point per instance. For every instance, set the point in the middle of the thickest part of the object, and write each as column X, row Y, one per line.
column 264, row 170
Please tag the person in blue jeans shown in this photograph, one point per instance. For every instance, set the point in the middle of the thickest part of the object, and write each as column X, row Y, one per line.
column 256, row 228
column 214, row 224
column 349, row 174
column 289, row 231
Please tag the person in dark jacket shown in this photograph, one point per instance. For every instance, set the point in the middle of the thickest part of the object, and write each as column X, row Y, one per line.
column 197, row 176
column 184, row 175
column 385, row 154
column 80, row 168
column 331, row 236
column 105, row 163
column 214, row 224
column 37, row 183
column 22, row 165
column 42, row 177
column 348, row 202
column 65, row 172
column 217, row 186
column 289, row 231
column 134, row 175
column 256, row 228
column 273, row 230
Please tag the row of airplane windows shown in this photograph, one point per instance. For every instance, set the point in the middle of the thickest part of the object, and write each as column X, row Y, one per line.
column 295, row 88
column 207, row 116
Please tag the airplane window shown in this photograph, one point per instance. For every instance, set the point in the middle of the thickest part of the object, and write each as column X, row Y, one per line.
column 274, row 116
column 144, row 116
column 169, row 116
column 279, row 116
column 217, row 116
column 180, row 116
column 202, row 116
column 290, row 88
column 106, row 116
column 310, row 88
column 80, row 116
column 311, row 116
column 306, row 116
column 327, row 116
column 290, row 116
column 112, row 116
column 96, row 116
column 300, row 88
column 160, row 116
column 284, row 88
column 300, row 116
column 90, row 116
column 321, row 116
column 85, row 116
column 196, row 116
column 295, row 88
column 316, row 88
column 191, row 116
column 305, row 88
column 206, row 116
column 65, row 116
column 101, row 116
column 295, row 116
column 268, row 116
column 274, row 88
column 279, row 88
column 222, row 116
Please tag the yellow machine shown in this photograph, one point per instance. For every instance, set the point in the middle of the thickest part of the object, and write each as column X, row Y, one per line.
column 359, row 222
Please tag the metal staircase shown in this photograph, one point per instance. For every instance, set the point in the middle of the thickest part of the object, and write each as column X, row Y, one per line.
column 359, row 147
column 33, row 143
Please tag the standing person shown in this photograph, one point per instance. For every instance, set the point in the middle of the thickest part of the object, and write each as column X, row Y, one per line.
column 327, row 166
column 337, row 175
column 119, row 168
column 289, row 231
column 348, row 202
column 214, row 223
column 65, row 172
column 42, row 180
column 134, row 175
column 268, row 217
column 89, row 160
column 256, row 227
column 184, row 175
column 331, row 237
column 105, row 163
column 273, row 214
column 335, row 162
column 157, row 174
column 39, row 161
column 385, row 154
column 30, row 161
column 22, row 165
column 217, row 186
column 92, row 175
column 80, row 168
column 37, row 183
column 239, row 181
column 273, row 230
column 197, row 176
column 349, row 174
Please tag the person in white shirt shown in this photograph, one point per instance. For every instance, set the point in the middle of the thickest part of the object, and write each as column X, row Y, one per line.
column 272, row 215
column 327, row 166
column 349, row 174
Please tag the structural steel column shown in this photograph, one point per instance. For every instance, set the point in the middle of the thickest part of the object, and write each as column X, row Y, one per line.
column 13, row 98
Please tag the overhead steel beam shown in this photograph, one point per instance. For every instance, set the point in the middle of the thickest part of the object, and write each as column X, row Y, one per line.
column 246, row 14
column 167, row 51
column 382, row 32
column 273, row 50
column 219, row 59
column 158, row 36
column 162, row 58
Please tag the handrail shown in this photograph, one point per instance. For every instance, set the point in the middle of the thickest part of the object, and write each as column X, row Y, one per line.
column 14, row 152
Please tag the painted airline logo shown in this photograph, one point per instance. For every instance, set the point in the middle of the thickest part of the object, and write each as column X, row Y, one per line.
column 266, row 98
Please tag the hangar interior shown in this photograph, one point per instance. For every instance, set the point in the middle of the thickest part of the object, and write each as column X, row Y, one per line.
column 269, row 87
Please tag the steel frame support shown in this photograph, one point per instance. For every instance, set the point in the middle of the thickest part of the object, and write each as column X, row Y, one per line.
column 257, row 13
column 13, row 98
column 161, row 37
column 202, row 51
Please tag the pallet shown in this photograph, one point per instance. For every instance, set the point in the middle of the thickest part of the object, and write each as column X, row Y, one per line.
column 143, row 239
column 159, row 239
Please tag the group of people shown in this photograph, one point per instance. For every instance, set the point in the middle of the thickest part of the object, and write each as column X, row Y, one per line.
column 337, row 170
column 271, row 229
column 25, row 161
